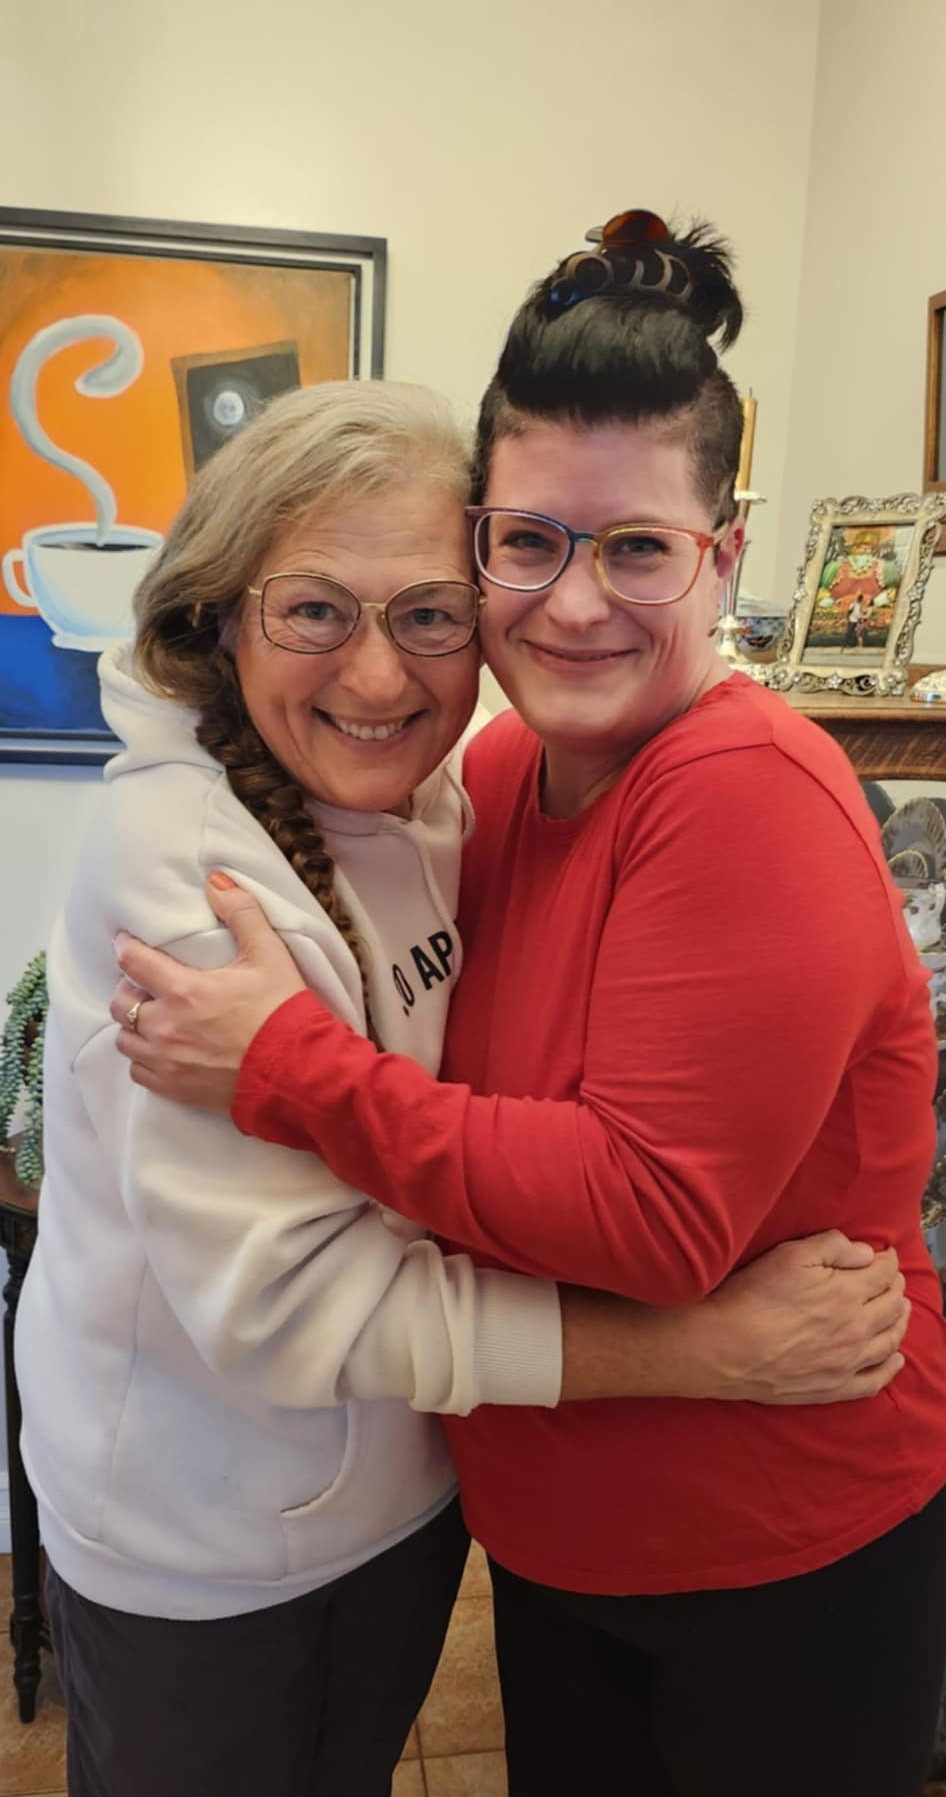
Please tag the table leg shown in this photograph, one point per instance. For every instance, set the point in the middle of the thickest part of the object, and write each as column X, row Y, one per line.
column 26, row 1624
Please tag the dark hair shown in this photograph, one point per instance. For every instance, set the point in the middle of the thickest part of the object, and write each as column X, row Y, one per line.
column 628, row 355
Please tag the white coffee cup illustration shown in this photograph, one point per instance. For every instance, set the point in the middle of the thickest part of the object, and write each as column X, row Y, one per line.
column 81, row 588
column 81, row 577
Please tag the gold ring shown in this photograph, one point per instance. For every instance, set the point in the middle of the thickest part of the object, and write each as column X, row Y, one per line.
column 131, row 1015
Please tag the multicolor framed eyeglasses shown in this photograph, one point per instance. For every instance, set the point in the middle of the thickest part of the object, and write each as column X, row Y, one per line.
column 642, row 564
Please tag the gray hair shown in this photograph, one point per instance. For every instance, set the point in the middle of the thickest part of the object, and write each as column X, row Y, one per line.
column 337, row 441
column 340, row 441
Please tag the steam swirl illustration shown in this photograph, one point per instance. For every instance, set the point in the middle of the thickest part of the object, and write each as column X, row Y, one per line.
column 80, row 577
column 106, row 378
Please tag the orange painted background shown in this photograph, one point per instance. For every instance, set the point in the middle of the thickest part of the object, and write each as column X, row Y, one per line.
column 177, row 308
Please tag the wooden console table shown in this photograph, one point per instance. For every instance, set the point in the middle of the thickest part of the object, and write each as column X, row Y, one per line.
column 886, row 739
column 28, row 1633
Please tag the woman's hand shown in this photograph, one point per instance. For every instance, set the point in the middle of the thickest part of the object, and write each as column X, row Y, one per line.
column 809, row 1323
column 191, row 1029
column 817, row 1321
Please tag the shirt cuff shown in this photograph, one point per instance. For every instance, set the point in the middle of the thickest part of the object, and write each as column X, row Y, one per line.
column 264, row 1103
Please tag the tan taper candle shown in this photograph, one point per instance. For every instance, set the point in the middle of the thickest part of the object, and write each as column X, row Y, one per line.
column 744, row 475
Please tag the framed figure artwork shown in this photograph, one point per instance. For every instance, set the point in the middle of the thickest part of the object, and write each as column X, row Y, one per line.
column 130, row 350
column 859, row 592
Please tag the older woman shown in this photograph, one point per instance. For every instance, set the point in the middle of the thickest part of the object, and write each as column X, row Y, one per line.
column 229, row 1359
column 691, row 1023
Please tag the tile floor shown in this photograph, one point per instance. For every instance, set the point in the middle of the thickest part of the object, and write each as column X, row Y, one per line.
column 455, row 1748
column 460, row 1728
column 32, row 1759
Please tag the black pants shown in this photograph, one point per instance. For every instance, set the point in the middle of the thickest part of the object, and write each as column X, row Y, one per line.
column 313, row 1698
column 821, row 1686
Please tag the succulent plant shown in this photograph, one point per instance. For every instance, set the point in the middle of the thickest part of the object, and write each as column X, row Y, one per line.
column 21, row 1069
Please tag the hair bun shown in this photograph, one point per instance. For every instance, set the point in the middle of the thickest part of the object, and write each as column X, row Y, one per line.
column 715, row 303
column 639, row 254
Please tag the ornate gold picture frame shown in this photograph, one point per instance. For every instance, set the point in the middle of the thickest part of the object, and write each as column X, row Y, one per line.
column 857, row 601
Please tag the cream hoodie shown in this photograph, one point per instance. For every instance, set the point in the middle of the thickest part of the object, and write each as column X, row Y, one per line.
column 227, row 1359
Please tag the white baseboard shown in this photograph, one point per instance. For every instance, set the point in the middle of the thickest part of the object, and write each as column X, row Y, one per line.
column 4, row 1514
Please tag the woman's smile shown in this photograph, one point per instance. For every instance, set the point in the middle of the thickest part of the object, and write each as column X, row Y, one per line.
column 367, row 730
column 575, row 657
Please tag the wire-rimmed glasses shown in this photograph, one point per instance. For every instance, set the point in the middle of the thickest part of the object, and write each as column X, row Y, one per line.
column 308, row 614
column 643, row 564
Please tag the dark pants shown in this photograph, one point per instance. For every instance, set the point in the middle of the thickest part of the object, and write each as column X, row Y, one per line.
column 312, row 1698
column 825, row 1685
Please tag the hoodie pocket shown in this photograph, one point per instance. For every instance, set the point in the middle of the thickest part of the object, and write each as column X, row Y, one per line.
column 303, row 1521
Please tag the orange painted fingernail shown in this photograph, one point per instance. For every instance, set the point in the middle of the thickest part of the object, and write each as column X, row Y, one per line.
column 222, row 882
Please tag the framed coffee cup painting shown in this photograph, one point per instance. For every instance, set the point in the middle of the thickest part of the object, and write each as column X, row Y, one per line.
column 130, row 350
column 859, row 592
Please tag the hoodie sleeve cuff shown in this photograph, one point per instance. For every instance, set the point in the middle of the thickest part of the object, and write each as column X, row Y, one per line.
column 518, row 1352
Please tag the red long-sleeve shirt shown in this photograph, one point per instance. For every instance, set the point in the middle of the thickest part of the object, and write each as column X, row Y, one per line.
column 691, row 1024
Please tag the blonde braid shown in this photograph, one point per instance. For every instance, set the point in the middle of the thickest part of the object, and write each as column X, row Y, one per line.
column 278, row 804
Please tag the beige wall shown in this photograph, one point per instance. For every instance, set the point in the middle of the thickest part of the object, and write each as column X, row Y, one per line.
column 874, row 251
column 480, row 140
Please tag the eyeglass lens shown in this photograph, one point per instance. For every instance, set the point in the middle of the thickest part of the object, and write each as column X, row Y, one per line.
column 311, row 616
column 650, row 566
